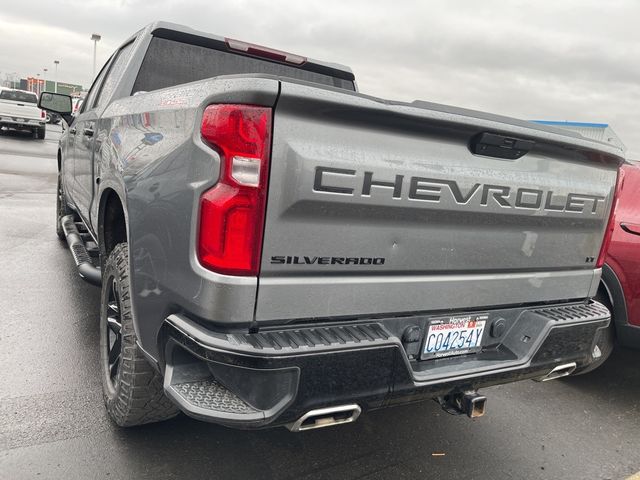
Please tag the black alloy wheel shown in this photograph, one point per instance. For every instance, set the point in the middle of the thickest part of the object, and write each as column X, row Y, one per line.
column 114, row 329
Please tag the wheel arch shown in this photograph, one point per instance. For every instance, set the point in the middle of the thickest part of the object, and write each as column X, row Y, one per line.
column 112, row 222
column 612, row 288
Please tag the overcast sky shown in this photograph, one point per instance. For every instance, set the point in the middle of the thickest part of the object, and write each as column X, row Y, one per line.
column 573, row 60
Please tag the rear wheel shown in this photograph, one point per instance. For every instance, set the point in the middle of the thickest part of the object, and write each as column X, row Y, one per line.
column 132, row 389
column 41, row 133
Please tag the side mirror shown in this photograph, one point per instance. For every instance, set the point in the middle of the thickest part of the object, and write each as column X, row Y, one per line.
column 55, row 102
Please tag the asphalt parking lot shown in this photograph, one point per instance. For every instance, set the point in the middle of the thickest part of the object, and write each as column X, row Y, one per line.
column 53, row 425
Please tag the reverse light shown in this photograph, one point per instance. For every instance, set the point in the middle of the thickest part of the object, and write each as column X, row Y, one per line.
column 611, row 224
column 232, row 212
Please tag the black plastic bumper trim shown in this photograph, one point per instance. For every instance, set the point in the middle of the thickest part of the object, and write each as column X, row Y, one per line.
column 372, row 370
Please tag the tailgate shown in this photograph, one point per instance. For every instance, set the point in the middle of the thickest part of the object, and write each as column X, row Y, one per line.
column 378, row 208
column 19, row 110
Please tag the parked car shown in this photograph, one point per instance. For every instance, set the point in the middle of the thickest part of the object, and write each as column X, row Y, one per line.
column 76, row 105
column 54, row 118
column 275, row 248
column 621, row 273
column 19, row 110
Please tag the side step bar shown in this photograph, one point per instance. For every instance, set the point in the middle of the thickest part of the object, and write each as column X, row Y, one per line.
column 86, row 269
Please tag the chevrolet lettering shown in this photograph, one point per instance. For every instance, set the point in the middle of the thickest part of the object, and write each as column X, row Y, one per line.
column 433, row 189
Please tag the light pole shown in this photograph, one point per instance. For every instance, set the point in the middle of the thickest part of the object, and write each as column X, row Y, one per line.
column 55, row 77
column 45, row 70
column 96, row 38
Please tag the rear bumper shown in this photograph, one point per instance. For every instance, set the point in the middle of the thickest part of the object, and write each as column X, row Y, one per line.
column 274, row 377
column 15, row 122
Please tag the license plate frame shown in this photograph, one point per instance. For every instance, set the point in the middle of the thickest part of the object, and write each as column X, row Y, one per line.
column 447, row 325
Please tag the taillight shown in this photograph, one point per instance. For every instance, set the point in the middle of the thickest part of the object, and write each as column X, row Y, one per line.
column 232, row 212
column 42, row 114
column 611, row 224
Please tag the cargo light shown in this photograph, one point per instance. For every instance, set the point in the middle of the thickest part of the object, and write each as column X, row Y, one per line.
column 232, row 212
column 266, row 52
column 611, row 224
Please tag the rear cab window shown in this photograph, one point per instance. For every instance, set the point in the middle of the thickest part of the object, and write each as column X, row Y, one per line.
column 18, row 96
column 170, row 62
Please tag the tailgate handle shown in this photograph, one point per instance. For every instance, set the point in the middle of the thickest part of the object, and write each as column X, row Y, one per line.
column 631, row 228
column 500, row 146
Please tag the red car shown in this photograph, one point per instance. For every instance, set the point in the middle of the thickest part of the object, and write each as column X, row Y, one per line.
column 620, row 288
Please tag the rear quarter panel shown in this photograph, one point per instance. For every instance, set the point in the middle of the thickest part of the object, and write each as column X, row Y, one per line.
column 150, row 153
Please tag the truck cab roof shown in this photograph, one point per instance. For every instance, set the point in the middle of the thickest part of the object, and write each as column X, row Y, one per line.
column 182, row 32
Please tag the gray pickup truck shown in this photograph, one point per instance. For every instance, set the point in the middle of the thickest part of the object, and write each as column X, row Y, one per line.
column 275, row 248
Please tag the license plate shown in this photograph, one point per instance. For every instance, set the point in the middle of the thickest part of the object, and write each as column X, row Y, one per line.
column 21, row 120
column 457, row 335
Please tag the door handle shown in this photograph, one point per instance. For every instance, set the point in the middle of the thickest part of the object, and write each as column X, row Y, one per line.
column 87, row 132
column 499, row 146
column 72, row 130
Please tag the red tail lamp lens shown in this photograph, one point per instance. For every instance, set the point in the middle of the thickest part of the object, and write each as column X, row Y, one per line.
column 232, row 212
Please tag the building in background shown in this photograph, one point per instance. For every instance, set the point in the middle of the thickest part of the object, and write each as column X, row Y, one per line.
column 38, row 85
column 66, row 88
column 601, row 132
column 32, row 84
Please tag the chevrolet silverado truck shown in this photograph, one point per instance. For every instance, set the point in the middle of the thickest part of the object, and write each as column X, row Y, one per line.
column 18, row 110
column 276, row 248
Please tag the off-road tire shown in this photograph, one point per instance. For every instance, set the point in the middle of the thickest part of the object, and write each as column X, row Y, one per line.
column 135, row 395
column 61, row 209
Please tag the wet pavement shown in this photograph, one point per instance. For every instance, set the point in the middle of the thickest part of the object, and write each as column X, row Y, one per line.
column 53, row 424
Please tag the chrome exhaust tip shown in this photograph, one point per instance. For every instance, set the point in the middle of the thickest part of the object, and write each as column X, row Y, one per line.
column 560, row 371
column 326, row 417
